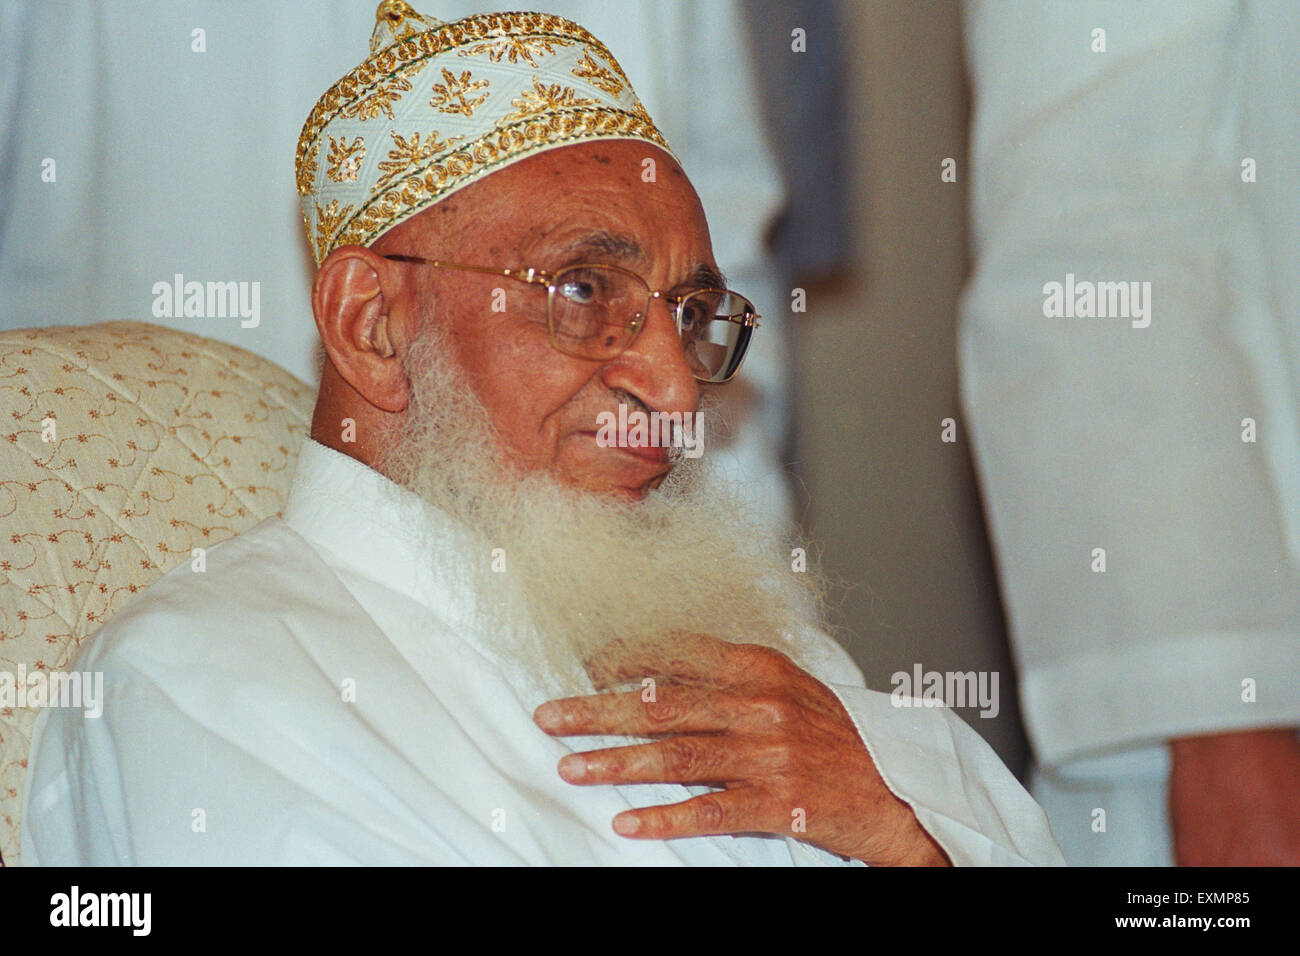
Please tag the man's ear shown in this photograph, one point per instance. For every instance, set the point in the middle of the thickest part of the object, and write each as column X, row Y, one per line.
column 354, row 298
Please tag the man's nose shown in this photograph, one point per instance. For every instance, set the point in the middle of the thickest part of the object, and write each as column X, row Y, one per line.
column 654, row 366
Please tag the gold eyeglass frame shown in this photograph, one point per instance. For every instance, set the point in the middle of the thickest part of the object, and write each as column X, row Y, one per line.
column 749, row 321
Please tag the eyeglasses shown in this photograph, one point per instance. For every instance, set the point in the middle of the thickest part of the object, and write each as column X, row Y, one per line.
column 595, row 312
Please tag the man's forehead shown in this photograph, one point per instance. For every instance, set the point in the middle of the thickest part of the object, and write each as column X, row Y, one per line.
column 598, row 207
column 538, row 214
column 620, row 248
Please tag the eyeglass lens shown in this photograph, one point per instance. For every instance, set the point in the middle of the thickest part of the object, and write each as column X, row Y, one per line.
column 596, row 312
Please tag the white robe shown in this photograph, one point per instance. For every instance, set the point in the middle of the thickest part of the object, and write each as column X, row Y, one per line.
column 1168, row 159
column 318, row 696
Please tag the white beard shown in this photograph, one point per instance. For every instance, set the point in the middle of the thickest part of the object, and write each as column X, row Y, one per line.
column 582, row 569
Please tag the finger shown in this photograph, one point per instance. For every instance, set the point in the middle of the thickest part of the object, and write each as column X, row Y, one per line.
column 740, row 810
column 714, row 760
column 680, row 710
column 686, row 658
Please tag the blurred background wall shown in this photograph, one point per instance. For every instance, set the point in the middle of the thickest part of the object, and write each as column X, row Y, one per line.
column 895, row 509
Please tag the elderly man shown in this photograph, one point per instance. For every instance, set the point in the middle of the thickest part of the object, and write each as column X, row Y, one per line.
column 498, row 621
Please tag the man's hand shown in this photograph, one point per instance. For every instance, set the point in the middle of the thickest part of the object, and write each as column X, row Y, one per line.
column 1235, row 799
column 744, row 718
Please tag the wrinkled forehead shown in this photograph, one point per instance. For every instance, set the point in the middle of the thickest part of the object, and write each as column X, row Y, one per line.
column 621, row 202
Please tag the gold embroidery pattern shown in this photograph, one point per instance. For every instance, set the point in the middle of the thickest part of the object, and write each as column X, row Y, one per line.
column 453, row 94
column 541, row 99
column 165, row 442
column 515, row 48
column 387, row 91
column 345, row 160
column 307, row 170
column 643, row 113
column 414, row 51
column 419, row 171
column 419, row 191
column 328, row 221
column 410, row 155
column 595, row 74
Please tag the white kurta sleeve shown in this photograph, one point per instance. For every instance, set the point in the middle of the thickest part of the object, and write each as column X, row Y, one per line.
column 1140, row 470
column 960, row 790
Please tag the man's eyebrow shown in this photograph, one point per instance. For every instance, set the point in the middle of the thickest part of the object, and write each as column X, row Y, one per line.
column 707, row 277
column 621, row 250
column 607, row 244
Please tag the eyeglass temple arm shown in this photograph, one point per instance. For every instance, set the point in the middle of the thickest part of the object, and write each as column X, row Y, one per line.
column 523, row 275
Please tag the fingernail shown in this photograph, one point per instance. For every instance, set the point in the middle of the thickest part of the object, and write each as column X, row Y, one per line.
column 548, row 715
column 626, row 824
column 573, row 767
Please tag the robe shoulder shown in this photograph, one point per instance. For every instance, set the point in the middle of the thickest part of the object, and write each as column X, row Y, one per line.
column 268, row 636
column 257, row 592
column 230, row 698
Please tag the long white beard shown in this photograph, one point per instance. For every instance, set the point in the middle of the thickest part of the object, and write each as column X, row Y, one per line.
column 561, row 572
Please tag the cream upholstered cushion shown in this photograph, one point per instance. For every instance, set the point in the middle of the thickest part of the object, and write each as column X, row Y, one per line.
column 123, row 446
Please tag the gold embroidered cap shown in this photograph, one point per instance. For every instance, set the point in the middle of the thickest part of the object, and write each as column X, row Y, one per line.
column 437, row 106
